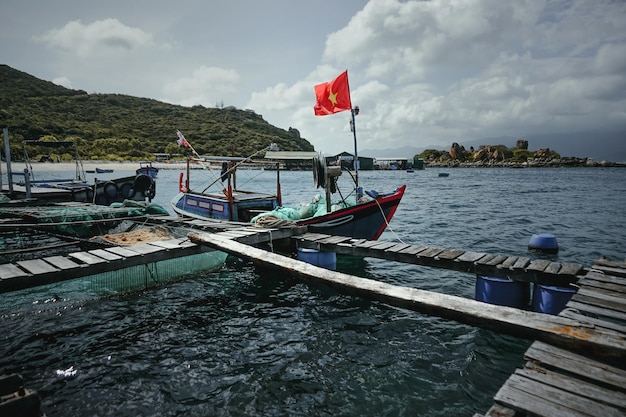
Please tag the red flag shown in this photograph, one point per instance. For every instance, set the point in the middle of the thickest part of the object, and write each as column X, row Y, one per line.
column 334, row 96
column 181, row 140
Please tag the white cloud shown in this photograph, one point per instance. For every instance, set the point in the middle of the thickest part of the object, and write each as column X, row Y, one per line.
column 96, row 38
column 205, row 86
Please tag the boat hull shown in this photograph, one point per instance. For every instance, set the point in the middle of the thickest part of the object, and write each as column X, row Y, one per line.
column 137, row 188
column 362, row 221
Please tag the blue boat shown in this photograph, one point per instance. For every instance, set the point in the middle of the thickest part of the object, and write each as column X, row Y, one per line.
column 365, row 219
column 146, row 168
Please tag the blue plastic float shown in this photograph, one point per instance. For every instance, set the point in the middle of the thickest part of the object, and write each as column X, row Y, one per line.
column 502, row 291
column 549, row 299
column 543, row 242
column 326, row 260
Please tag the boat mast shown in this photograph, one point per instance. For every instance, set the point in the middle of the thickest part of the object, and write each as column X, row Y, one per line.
column 359, row 191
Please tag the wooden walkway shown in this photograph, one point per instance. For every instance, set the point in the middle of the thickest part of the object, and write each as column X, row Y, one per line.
column 517, row 268
column 558, row 382
column 576, row 366
column 24, row 274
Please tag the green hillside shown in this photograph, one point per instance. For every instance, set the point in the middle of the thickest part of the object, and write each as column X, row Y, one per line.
column 121, row 127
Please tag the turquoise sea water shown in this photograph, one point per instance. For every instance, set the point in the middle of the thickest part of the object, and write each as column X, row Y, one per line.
column 248, row 342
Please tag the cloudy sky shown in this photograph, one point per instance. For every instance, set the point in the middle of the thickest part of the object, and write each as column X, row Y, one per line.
column 423, row 73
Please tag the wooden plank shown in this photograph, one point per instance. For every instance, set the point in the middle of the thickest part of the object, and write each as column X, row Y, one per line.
column 549, row 400
column 166, row 244
column 450, row 254
column 397, row 247
column 552, row 268
column 600, row 285
column 600, row 300
column 123, row 251
column 87, row 258
column 496, row 260
column 552, row 357
column 538, row 265
column 570, row 269
column 383, row 245
column 61, row 262
column 521, row 263
column 509, row 262
column 485, row 259
column 604, row 278
column 367, row 244
column 105, row 255
column 611, row 269
column 471, row 257
column 334, row 240
column 593, row 309
column 584, row 319
column 414, row 249
column 146, row 248
column 37, row 266
column 430, row 253
column 557, row 330
column 575, row 386
column 8, row 271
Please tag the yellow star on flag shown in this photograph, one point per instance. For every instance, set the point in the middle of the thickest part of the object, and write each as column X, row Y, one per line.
column 332, row 97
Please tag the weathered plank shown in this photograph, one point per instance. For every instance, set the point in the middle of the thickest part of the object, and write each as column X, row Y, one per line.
column 599, row 311
column 538, row 265
column 123, row 251
column 430, row 253
column 570, row 269
column 413, row 249
column 105, row 255
column 509, row 262
column 552, row 357
column 397, row 247
column 552, row 268
column 61, row 262
column 576, row 386
column 381, row 246
column 450, row 254
column 471, row 257
column 592, row 320
column 552, row 329
column 87, row 258
column 37, row 266
column 521, row 263
column 549, row 400
column 8, row 271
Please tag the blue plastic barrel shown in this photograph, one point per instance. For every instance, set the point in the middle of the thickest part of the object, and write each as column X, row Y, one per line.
column 502, row 291
column 550, row 300
column 543, row 242
column 326, row 260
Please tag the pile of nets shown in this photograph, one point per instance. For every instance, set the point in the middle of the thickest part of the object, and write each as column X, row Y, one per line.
column 317, row 207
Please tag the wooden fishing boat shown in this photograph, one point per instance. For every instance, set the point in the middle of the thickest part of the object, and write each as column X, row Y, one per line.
column 146, row 168
column 365, row 217
column 27, row 185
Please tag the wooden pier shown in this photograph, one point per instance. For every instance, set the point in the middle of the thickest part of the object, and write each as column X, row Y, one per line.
column 24, row 274
column 576, row 366
column 516, row 268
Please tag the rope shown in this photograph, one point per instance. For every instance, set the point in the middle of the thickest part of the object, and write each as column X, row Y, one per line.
column 387, row 223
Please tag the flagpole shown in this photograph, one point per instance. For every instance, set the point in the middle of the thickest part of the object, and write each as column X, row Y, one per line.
column 359, row 191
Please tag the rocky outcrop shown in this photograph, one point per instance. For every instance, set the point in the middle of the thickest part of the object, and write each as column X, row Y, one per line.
column 500, row 156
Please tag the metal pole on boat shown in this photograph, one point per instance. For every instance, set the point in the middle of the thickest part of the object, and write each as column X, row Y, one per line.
column 7, row 156
column 359, row 191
